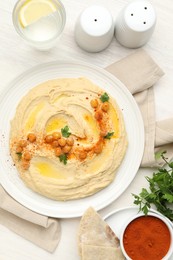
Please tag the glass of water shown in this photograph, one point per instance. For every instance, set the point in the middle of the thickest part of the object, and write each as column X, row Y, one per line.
column 39, row 22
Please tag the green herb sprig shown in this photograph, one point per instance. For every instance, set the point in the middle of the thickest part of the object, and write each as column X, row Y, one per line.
column 109, row 135
column 65, row 131
column 160, row 191
column 19, row 156
column 104, row 97
column 63, row 158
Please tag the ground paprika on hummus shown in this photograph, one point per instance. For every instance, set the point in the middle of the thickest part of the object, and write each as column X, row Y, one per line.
column 146, row 237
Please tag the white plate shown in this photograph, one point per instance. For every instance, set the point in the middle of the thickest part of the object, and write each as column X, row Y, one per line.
column 10, row 98
column 117, row 218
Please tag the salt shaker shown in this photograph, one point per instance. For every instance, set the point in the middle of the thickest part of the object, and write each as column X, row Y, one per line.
column 135, row 24
column 94, row 29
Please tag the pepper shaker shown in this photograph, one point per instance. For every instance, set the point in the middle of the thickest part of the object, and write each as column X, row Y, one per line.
column 135, row 24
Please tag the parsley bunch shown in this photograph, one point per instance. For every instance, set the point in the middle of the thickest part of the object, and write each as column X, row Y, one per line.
column 160, row 191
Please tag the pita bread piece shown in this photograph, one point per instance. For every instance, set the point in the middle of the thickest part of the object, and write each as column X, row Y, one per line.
column 95, row 235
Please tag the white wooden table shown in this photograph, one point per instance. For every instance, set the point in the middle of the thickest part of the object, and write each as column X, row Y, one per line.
column 16, row 57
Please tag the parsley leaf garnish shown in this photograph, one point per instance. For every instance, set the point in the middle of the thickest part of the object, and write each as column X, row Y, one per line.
column 65, row 131
column 109, row 135
column 63, row 158
column 19, row 156
column 104, row 97
column 160, row 192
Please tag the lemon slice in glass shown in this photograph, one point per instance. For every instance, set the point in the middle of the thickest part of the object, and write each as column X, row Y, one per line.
column 33, row 10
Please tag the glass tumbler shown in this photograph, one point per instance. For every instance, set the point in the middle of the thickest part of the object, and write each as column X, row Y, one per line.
column 39, row 22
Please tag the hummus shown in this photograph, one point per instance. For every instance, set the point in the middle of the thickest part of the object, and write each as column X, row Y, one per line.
column 67, row 138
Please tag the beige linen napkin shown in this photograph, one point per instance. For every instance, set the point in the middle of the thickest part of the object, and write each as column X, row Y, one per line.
column 138, row 72
column 41, row 230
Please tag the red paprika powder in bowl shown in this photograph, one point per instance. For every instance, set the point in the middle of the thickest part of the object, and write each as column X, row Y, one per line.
column 147, row 238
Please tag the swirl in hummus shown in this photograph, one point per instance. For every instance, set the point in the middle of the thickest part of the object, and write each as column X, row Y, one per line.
column 67, row 138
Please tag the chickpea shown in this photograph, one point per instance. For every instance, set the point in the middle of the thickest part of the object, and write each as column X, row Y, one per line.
column 70, row 141
column 98, row 115
column 67, row 149
column 56, row 135
column 31, row 137
column 19, row 149
column 23, row 143
column 105, row 106
column 27, row 156
column 82, row 155
column 98, row 148
column 94, row 103
column 49, row 139
column 58, row 151
column 25, row 165
column 55, row 144
column 62, row 142
column 89, row 148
